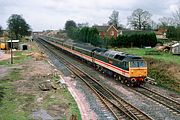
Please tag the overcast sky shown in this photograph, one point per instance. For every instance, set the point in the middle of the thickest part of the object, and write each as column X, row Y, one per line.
column 52, row 14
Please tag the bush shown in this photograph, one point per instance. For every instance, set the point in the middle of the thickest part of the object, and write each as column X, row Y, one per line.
column 135, row 40
column 86, row 34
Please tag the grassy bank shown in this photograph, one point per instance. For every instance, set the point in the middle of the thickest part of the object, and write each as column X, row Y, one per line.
column 10, row 99
column 165, row 74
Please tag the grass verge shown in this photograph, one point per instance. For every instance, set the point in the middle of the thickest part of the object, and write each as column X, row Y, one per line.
column 11, row 101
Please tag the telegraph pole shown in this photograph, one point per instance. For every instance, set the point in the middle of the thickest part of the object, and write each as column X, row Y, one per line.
column 11, row 52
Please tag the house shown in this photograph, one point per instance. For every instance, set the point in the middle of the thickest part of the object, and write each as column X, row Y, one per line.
column 107, row 31
column 161, row 33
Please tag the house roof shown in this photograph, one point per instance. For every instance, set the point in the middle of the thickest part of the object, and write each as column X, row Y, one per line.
column 101, row 28
column 161, row 31
column 175, row 45
column 104, row 28
column 112, row 26
column 13, row 41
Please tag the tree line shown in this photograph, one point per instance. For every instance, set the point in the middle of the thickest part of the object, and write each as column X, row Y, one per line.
column 84, row 34
column 134, row 40
column 141, row 20
column 91, row 35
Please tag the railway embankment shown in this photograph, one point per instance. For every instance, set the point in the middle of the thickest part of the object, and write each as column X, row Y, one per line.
column 166, row 74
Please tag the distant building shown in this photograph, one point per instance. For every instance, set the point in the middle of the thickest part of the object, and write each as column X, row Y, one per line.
column 176, row 48
column 161, row 33
column 15, row 44
column 107, row 31
column 111, row 31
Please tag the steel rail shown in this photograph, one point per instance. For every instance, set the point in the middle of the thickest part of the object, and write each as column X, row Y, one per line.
column 167, row 102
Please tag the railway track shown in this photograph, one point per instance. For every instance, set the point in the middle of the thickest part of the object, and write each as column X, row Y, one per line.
column 167, row 102
column 116, row 105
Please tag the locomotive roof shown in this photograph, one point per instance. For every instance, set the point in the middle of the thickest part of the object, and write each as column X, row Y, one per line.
column 132, row 57
column 121, row 55
column 112, row 53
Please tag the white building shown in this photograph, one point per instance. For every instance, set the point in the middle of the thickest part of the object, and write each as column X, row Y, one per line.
column 176, row 48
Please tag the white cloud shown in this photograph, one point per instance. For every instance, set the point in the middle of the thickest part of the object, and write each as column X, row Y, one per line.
column 173, row 8
column 52, row 14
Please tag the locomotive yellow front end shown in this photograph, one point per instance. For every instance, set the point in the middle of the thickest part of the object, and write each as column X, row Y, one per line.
column 138, row 72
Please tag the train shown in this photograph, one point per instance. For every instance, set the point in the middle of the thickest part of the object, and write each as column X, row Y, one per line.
column 128, row 69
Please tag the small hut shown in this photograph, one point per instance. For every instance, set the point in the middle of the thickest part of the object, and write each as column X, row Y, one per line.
column 23, row 46
column 15, row 44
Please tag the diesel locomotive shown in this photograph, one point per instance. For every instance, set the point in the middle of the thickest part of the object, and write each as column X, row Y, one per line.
column 129, row 69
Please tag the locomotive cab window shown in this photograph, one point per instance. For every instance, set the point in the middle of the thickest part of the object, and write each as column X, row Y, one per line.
column 134, row 64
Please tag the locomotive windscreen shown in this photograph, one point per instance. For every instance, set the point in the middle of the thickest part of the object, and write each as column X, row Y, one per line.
column 134, row 64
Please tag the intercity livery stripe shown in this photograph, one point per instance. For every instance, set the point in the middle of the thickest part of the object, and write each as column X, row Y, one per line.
column 113, row 68
column 102, row 63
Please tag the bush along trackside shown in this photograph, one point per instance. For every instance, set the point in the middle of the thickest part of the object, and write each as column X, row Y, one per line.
column 167, row 75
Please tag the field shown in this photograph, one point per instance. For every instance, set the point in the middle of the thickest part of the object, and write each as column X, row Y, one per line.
column 166, row 57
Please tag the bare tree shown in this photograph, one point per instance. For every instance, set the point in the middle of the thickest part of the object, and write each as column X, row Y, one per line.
column 166, row 21
column 153, row 25
column 176, row 16
column 140, row 19
column 114, row 19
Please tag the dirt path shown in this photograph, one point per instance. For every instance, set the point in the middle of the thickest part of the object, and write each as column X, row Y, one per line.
column 34, row 91
column 4, row 56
